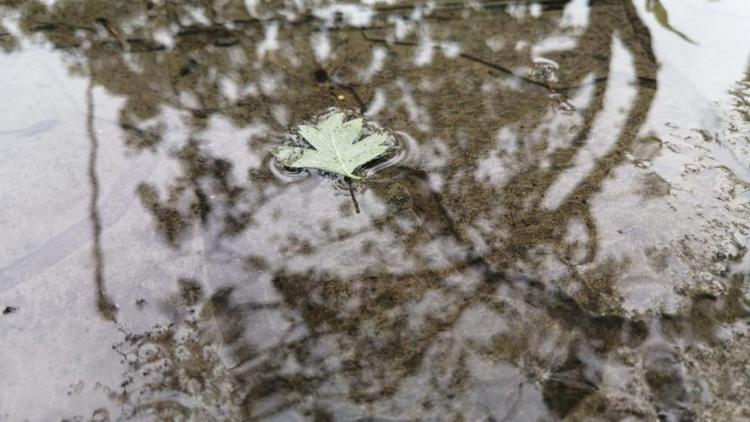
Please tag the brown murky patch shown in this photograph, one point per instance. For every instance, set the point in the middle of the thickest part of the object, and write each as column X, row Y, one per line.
column 653, row 186
column 658, row 258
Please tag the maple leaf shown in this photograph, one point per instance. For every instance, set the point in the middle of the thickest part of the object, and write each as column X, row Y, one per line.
column 337, row 147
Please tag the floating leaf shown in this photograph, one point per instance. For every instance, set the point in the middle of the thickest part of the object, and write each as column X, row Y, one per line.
column 337, row 147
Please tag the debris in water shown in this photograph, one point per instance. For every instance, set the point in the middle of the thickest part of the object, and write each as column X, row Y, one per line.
column 9, row 310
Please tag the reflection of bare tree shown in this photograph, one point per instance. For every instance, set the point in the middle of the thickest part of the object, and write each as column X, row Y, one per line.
column 7, row 41
column 176, row 370
column 103, row 303
column 741, row 97
column 352, row 340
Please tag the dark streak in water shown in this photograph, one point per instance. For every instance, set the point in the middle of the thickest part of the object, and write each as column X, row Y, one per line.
column 642, row 81
column 104, row 304
column 463, row 55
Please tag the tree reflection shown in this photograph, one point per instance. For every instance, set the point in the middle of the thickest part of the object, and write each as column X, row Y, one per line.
column 468, row 291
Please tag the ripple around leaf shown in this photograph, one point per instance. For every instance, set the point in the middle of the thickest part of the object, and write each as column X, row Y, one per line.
column 337, row 147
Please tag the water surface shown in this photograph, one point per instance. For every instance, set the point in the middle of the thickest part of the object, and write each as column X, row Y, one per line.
column 560, row 234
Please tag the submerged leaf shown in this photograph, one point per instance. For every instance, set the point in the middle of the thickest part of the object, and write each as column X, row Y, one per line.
column 337, row 147
column 660, row 12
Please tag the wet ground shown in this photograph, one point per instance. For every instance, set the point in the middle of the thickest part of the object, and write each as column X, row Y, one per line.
column 561, row 232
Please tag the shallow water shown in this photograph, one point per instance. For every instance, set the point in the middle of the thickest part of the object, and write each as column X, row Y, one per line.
column 560, row 234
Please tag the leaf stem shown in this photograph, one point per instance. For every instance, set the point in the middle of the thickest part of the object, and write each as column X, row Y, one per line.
column 351, row 192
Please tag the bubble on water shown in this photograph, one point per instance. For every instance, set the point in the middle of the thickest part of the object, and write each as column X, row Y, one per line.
column 545, row 70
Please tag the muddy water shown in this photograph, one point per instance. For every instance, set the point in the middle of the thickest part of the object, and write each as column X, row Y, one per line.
column 560, row 234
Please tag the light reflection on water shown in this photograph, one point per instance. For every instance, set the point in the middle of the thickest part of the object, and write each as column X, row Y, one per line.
column 562, row 233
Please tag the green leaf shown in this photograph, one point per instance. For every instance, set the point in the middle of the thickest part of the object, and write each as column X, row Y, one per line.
column 337, row 147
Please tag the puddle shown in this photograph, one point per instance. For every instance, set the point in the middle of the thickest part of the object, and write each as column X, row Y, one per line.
column 561, row 234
